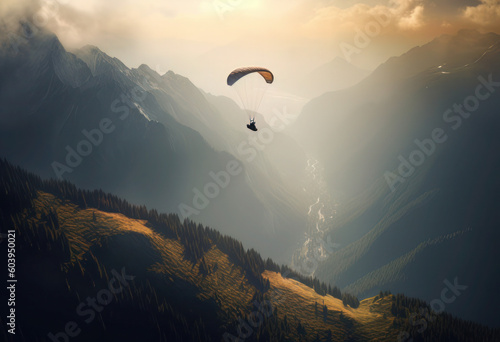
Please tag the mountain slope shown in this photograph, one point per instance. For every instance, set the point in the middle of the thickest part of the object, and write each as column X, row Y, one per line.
column 88, row 118
column 452, row 188
column 102, row 275
column 358, row 131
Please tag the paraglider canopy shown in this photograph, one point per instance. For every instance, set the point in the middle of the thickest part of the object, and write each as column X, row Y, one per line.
column 236, row 74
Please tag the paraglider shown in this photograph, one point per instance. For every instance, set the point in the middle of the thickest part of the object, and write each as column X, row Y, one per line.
column 250, row 86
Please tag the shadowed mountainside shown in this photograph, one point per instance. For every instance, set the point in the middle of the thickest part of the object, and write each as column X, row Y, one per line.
column 115, row 271
column 88, row 118
column 429, row 117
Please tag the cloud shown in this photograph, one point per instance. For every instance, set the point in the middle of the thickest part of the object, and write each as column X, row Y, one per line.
column 20, row 20
column 12, row 8
column 398, row 15
column 486, row 14
column 177, row 34
column 11, row 11
column 419, row 19
column 414, row 20
column 117, row 23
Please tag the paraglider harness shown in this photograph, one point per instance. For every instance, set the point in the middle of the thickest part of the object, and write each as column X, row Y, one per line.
column 252, row 125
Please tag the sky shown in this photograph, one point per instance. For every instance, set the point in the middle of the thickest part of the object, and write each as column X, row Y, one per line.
column 206, row 39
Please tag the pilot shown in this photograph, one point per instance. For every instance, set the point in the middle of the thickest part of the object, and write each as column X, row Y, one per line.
column 252, row 125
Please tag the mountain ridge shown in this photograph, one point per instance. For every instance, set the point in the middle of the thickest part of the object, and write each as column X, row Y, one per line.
column 385, row 126
column 177, row 280
column 45, row 93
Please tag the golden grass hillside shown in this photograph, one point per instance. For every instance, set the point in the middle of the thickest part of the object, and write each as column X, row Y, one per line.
column 225, row 283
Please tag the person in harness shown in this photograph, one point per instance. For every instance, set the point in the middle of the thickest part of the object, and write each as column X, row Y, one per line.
column 252, row 125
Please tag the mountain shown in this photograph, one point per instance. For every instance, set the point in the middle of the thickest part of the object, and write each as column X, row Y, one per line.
column 91, row 266
column 88, row 118
column 378, row 101
column 222, row 124
column 437, row 221
column 45, row 112
column 221, row 127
